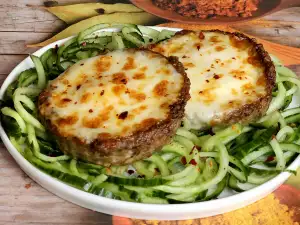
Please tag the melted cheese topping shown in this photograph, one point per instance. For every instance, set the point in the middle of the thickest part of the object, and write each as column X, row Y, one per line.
column 224, row 71
column 112, row 95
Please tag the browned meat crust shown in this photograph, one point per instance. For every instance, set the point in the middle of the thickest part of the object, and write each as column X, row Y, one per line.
column 125, row 150
column 210, row 8
column 256, row 109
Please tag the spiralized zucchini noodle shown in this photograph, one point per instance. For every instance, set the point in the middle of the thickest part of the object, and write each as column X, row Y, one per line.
column 195, row 166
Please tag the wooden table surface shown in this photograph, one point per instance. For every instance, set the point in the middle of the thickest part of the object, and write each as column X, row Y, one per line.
column 21, row 200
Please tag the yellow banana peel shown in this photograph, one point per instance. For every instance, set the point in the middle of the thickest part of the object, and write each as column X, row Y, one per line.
column 141, row 18
column 74, row 13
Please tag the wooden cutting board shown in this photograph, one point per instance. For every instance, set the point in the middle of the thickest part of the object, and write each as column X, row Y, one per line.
column 288, row 55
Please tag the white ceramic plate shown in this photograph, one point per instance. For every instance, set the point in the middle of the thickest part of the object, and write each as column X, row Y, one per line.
column 137, row 210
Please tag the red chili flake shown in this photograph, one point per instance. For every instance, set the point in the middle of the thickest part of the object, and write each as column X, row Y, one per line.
column 198, row 47
column 200, row 92
column 83, row 44
column 193, row 162
column 81, row 64
column 201, row 36
column 183, row 160
column 75, row 103
column 102, row 92
column 91, row 111
column 78, row 86
column 123, row 115
column 234, row 58
column 207, row 81
column 124, row 81
column 216, row 76
column 130, row 172
column 27, row 186
column 270, row 159
column 66, row 100
column 193, row 149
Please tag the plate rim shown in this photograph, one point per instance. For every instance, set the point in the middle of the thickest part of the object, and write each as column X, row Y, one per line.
column 123, row 208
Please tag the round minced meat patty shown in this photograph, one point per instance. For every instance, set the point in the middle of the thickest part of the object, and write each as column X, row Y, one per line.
column 231, row 75
column 116, row 108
